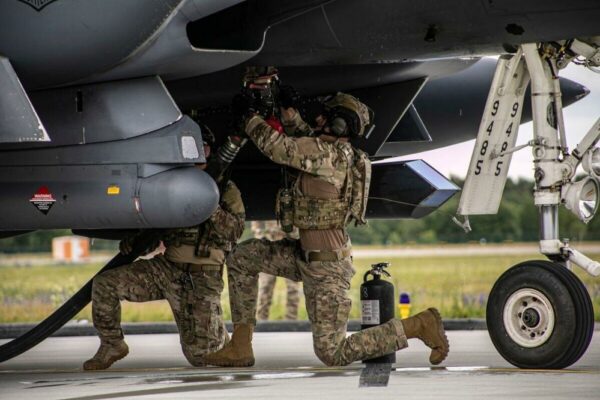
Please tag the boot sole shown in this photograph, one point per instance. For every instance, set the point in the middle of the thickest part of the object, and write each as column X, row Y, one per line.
column 111, row 361
column 236, row 364
column 441, row 334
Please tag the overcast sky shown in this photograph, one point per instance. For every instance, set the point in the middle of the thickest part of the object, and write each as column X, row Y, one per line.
column 579, row 118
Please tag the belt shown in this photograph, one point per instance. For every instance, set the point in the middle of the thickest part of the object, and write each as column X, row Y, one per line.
column 199, row 267
column 327, row 255
column 204, row 267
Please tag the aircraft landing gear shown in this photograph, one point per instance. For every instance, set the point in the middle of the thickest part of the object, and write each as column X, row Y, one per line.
column 539, row 315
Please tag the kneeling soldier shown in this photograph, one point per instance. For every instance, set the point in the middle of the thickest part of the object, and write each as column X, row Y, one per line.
column 189, row 276
column 331, row 190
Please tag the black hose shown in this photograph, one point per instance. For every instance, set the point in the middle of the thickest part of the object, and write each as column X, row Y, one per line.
column 72, row 306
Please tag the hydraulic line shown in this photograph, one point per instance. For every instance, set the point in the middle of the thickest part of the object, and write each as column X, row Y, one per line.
column 72, row 306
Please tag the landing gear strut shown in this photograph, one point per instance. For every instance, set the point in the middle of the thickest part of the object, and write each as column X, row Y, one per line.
column 539, row 314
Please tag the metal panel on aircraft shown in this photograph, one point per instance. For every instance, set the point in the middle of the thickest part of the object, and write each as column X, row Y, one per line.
column 104, row 197
column 18, row 119
column 171, row 145
column 396, row 100
column 410, row 128
column 66, row 41
column 399, row 189
column 105, row 111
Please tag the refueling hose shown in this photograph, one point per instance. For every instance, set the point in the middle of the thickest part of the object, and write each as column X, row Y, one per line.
column 72, row 306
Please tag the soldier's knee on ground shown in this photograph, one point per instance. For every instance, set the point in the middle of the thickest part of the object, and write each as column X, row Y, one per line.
column 203, row 332
column 194, row 359
column 330, row 358
column 329, row 320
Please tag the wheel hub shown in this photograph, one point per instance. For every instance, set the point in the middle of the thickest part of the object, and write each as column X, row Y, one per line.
column 528, row 317
column 531, row 318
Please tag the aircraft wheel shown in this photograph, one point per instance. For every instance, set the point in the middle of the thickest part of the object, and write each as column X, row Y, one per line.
column 540, row 315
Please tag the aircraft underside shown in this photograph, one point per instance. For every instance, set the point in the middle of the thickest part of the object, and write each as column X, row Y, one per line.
column 99, row 130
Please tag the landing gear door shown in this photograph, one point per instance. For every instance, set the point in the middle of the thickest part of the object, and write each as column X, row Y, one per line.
column 497, row 134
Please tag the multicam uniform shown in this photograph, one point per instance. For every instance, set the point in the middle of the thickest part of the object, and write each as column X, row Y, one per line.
column 266, row 282
column 192, row 284
column 322, row 256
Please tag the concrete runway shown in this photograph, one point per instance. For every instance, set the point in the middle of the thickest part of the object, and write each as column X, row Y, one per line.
column 286, row 367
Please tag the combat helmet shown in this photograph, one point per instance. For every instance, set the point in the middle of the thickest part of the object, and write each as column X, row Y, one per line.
column 348, row 116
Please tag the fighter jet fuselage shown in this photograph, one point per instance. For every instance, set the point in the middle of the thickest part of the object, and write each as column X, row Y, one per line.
column 78, row 71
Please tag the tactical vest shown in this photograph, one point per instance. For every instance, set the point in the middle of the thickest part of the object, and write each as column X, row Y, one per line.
column 181, row 236
column 315, row 213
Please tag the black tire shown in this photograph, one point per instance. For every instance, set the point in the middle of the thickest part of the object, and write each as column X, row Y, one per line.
column 571, row 307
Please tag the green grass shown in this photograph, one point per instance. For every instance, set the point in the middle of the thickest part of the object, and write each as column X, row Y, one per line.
column 458, row 286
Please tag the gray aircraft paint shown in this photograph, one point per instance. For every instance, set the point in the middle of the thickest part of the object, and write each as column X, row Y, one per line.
column 164, row 146
column 104, row 197
column 105, row 111
column 72, row 39
column 18, row 120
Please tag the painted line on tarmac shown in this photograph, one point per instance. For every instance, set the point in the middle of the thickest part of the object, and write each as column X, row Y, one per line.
column 288, row 371
column 10, row 331
column 495, row 370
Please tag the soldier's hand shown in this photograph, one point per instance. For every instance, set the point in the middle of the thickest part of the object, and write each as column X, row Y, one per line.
column 242, row 104
column 242, row 107
column 288, row 97
column 126, row 245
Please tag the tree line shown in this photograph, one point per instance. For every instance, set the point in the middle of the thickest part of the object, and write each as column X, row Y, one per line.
column 517, row 220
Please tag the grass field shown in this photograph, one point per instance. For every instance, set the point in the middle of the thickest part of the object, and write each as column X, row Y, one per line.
column 457, row 285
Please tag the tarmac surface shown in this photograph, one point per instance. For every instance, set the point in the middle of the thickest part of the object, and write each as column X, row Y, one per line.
column 286, row 367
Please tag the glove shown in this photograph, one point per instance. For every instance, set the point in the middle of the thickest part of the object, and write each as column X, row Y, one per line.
column 126, row 245
column 242, row 103
column 242, row 107
column 288, row 97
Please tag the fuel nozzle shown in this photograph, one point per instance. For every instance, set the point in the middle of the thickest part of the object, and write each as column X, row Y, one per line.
column 225, row 156
column 377, row 270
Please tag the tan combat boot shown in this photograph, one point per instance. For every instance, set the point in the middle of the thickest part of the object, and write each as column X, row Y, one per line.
column 428, row 327
column 106, row 355
column 238, row 352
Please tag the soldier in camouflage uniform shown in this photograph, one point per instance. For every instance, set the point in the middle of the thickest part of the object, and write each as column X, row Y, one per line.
column 188, row 276
column 324, row 200
column 266, row 282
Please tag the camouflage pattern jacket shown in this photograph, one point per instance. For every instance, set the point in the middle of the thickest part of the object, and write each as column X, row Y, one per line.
column 311, row 155
column 317, row 160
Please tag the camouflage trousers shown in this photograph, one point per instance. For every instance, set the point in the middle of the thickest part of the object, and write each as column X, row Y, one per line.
column 326, row 286
column 194, row 297
column 266, row 285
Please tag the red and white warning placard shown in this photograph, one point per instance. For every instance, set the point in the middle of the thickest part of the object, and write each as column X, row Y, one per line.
column 43, row 200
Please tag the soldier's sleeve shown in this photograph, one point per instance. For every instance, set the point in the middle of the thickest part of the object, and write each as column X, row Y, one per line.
column 228, row 219
column 306, row 154
column 295, row 126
